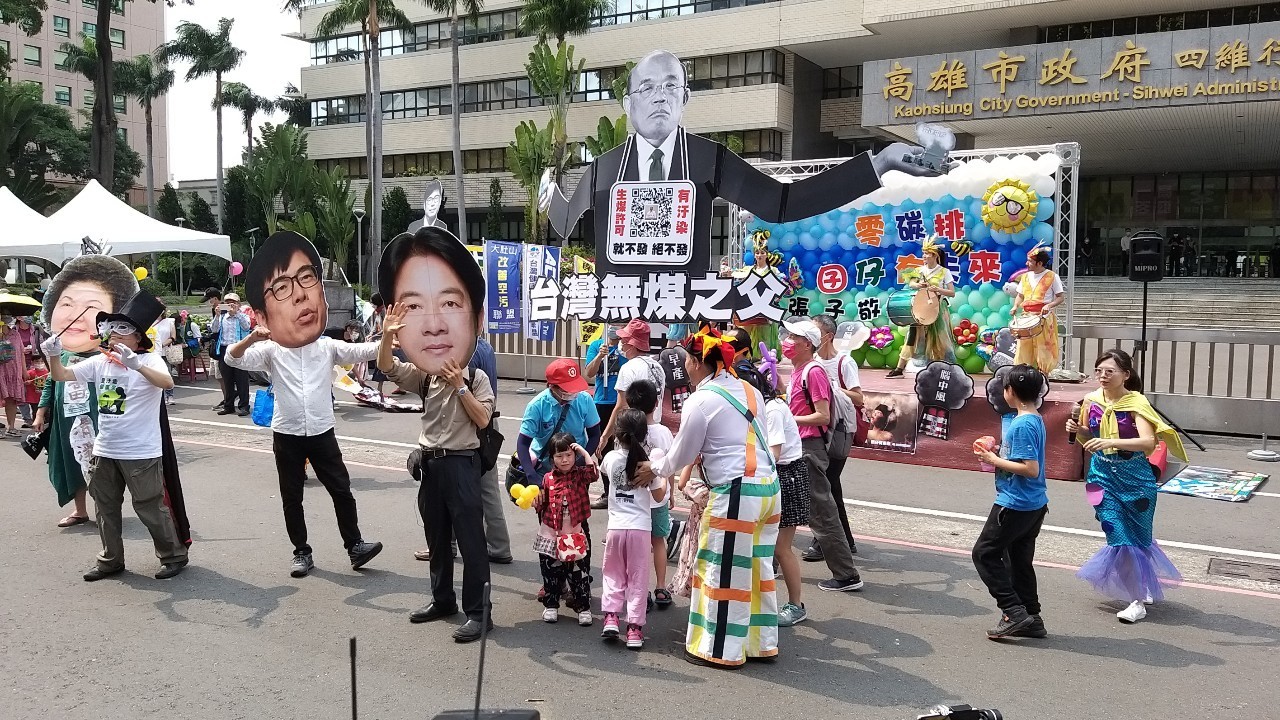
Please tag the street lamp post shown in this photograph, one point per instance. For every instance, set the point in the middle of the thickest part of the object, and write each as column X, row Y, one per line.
column 359, row 246
column 179, row 222
column 253, row 240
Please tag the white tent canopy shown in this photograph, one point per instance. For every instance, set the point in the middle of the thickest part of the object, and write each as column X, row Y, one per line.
column 23, row 231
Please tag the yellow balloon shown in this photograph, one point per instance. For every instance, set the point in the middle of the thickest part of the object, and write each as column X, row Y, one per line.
column 516, row 491
column 140, row 273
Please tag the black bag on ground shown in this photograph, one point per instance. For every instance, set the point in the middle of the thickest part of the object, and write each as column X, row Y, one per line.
column 515, row 469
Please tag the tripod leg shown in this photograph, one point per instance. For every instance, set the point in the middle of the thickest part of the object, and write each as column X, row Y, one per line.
column 1175, row 426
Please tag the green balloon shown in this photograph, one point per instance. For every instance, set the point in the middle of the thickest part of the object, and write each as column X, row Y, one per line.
column 892, row 359
column 963, row 352
column 973, row 364
column 964, row 311
column 998, row 319
column 976, row 298
column 860, row 355
column 996, row 302
column 875, row 360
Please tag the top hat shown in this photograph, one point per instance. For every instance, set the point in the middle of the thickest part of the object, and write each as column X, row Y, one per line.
column 142, row 311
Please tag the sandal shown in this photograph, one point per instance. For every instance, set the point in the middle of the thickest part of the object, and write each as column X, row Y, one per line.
column 662, row 597
column 72, row 521
column 13, row 433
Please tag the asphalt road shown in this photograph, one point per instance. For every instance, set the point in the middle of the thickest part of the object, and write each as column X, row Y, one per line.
column 236, row 637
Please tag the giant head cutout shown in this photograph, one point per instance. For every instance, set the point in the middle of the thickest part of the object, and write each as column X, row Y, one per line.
column 282, row 285
column 437, row 279
column 86, row 286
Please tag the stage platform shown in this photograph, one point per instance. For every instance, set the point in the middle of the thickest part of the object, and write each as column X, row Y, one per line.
column 906, row 442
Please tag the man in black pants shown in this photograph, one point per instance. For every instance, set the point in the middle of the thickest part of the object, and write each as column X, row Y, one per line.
column 437, row 292
column 843, row 371
column 232, row 325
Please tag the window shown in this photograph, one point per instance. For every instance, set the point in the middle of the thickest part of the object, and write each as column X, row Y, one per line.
column 117, row 6
column 123, row 133
column 118, row 102
column 4, row 45
column 31, row 55
column 597, row 84
column 89, row 29
column 501, row 25
column 60, row 60
column 762, row 144
column 36, row 84
column 338, row 49
column 842, row 82
column 1163, row 22
column 62, row 95
column 417, row 103
column 735, row 70
column 88, row 98
column 117, row 38
column 61, row 26
column 626, row 11
column 490, row 160
column 338, row 111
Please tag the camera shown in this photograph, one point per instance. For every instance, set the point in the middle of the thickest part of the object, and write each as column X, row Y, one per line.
column 960, row 712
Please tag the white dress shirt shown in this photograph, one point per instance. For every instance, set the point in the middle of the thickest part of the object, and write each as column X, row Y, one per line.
column 710, row 426
column 302, row 380
column 644, row 151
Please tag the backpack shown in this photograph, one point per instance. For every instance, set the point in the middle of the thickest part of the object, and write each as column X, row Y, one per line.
column 838, row 434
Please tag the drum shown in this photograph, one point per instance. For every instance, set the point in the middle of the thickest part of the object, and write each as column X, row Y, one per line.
column 912, row 307
column 1026, row 326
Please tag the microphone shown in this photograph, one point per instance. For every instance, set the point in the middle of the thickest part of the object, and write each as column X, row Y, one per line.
column 1075, row 415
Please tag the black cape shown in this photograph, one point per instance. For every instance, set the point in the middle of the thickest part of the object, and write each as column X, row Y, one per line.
column 172, row 483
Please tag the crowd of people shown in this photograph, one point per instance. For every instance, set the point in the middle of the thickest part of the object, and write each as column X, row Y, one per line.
column 751, row 455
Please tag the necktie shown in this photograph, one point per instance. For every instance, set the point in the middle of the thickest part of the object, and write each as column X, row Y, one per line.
column 656, row 173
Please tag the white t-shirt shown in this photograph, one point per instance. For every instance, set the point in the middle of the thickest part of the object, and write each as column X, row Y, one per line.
column 162, row 332
column 843, row 371
column 643, row 367
column 931, row 276
column 1055, row 289
column 128, row 407
column 658, row 438
column 629, row 508
column 783, row 430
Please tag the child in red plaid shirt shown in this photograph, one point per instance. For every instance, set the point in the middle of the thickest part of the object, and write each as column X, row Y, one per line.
column 563, row 508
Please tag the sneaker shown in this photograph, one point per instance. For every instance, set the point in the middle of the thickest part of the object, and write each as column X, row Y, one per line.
column 302, row 565
column 550, row 615
column 1132, row 614
column 610, row 630
column 585, row 618
column 600, row 503
column 813, row 553
column 791, row 614
column 1148, row 600
column 1034, row 630
column 362, row 552
column 635, row 636
column 833, row 585
column 895, row 373
column 1013, row 619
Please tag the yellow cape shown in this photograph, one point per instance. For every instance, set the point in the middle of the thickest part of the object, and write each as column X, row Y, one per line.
column 1134, row 402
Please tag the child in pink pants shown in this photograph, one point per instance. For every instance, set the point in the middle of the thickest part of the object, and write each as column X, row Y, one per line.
column 628, row 552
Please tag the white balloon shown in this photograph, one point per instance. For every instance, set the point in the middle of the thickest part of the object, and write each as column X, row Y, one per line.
column 1044, row 186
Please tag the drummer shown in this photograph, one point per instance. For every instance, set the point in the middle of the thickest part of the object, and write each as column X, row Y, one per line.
column 933, row 277
column 1040, row 290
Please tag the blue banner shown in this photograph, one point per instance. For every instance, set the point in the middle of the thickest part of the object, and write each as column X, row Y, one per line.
column 541, row 290
column 502, row 276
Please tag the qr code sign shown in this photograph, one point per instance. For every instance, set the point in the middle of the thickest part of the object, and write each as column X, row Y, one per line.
column 651, row 223
column 655, row 205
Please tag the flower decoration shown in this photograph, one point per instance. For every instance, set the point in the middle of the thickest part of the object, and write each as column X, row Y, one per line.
column 966, row 332
column 985, row 350
column 881, row 338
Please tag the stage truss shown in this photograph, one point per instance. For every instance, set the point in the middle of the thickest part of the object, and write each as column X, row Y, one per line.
column 1065, row 202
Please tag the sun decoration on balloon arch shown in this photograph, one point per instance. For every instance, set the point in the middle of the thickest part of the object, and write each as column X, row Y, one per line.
column 1009, row 206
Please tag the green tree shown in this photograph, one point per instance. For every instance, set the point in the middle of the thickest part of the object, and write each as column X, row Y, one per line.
column 528, row 156
column 370, row 15
column 295, row 105
column 454, row 9
column 20, row 127
column 210, row 53
column 493, row 221
column 239, row 96
column 28, row 15
column 200, row 215
column 281, row 170
column 335, row 222
column 146, row 81
column 554, row 76
column 243, row 212
column 170, row 207
column 82, row 59
column 609, row 135
column 396, row 213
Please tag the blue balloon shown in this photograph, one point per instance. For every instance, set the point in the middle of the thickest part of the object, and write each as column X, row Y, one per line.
column 978, row 233
column 1042, row 233
column 1001, row 237
column 785, row 243
column 810, row 278
column 975, row 209
column 825, row 258
column 748, row 258
column 809, row 261
column 808, row 241
column 828, row 241
column 817, row 230
column 848, row 258
column 827, row 222
column 1045, row 209
column 846, row 240
column 845, row 220
column 1022, row 236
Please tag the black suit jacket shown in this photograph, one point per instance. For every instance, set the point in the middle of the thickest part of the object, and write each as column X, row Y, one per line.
column 715, row 172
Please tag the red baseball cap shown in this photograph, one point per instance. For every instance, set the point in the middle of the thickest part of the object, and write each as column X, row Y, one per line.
column 564, row 374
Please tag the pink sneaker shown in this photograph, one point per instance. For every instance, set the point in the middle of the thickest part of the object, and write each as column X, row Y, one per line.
column 610, row 626
column 635, row 636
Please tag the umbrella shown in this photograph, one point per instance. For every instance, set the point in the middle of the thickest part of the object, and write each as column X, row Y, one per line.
column 18, row 304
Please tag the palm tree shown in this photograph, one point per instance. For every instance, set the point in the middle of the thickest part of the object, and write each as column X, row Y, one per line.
column 370, row 15
column 452, row 8
column 82, row 59
column 210, row 53
column 249, row 103
column 146, row 80
column 561, row 18
column 295, row 105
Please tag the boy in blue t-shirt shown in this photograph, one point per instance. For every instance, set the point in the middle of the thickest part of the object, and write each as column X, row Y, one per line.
column 1004, row 551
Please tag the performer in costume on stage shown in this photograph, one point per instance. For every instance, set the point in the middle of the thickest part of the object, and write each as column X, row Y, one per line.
column 760, row 329
column 1040, row 290
column 1120, row 429
column 733, row 611
column 933, row 277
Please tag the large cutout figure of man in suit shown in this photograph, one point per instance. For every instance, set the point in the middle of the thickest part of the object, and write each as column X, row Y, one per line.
column 661, row 150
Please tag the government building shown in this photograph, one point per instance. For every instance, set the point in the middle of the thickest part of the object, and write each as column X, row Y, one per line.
column 1174, row 104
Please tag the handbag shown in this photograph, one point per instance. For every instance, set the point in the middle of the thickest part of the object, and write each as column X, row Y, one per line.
column 490, row 437
column 264, row 406
column 173, row 355
column 571, row 547
column 515, row 469
column 35, row 443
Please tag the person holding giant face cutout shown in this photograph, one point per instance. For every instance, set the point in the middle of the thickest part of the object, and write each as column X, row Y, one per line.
column 436, row 292
column 283, row 286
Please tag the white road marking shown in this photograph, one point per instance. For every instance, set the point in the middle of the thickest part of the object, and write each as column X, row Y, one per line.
column 1059, row 529
column 1262, row 494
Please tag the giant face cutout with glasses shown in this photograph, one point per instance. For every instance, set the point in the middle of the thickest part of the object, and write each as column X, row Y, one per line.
column 282, row 284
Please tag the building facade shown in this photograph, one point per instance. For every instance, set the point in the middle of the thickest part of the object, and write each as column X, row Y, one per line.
column 136, row 28
column 1174, row 103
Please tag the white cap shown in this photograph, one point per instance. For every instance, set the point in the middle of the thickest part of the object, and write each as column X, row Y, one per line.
column 806, row 329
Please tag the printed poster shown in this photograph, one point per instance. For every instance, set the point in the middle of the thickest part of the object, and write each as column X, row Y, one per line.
column 502, row 275
column 542, row 290
column 894, row 419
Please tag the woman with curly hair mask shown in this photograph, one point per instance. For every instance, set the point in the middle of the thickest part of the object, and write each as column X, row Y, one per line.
column 733, row 613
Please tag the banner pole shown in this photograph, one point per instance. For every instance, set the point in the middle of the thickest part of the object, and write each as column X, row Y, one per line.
column 525, row 390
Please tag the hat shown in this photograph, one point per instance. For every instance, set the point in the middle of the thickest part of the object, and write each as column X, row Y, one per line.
column 564, row 374
column 142, row 311
column 636, row 334
column 231, row 297
column 212, row 293
column 806, row 329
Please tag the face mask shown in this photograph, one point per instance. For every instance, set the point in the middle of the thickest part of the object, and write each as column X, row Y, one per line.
column 788, row 348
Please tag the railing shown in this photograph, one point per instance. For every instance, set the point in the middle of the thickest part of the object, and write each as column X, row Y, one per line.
column 516, row 354
column 1207, row 380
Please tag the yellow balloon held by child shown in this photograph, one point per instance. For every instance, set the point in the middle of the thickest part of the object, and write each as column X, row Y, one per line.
column 525, row 495
column 140, row 273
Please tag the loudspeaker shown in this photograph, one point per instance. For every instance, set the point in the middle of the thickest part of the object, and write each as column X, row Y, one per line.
column 1146, row 257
